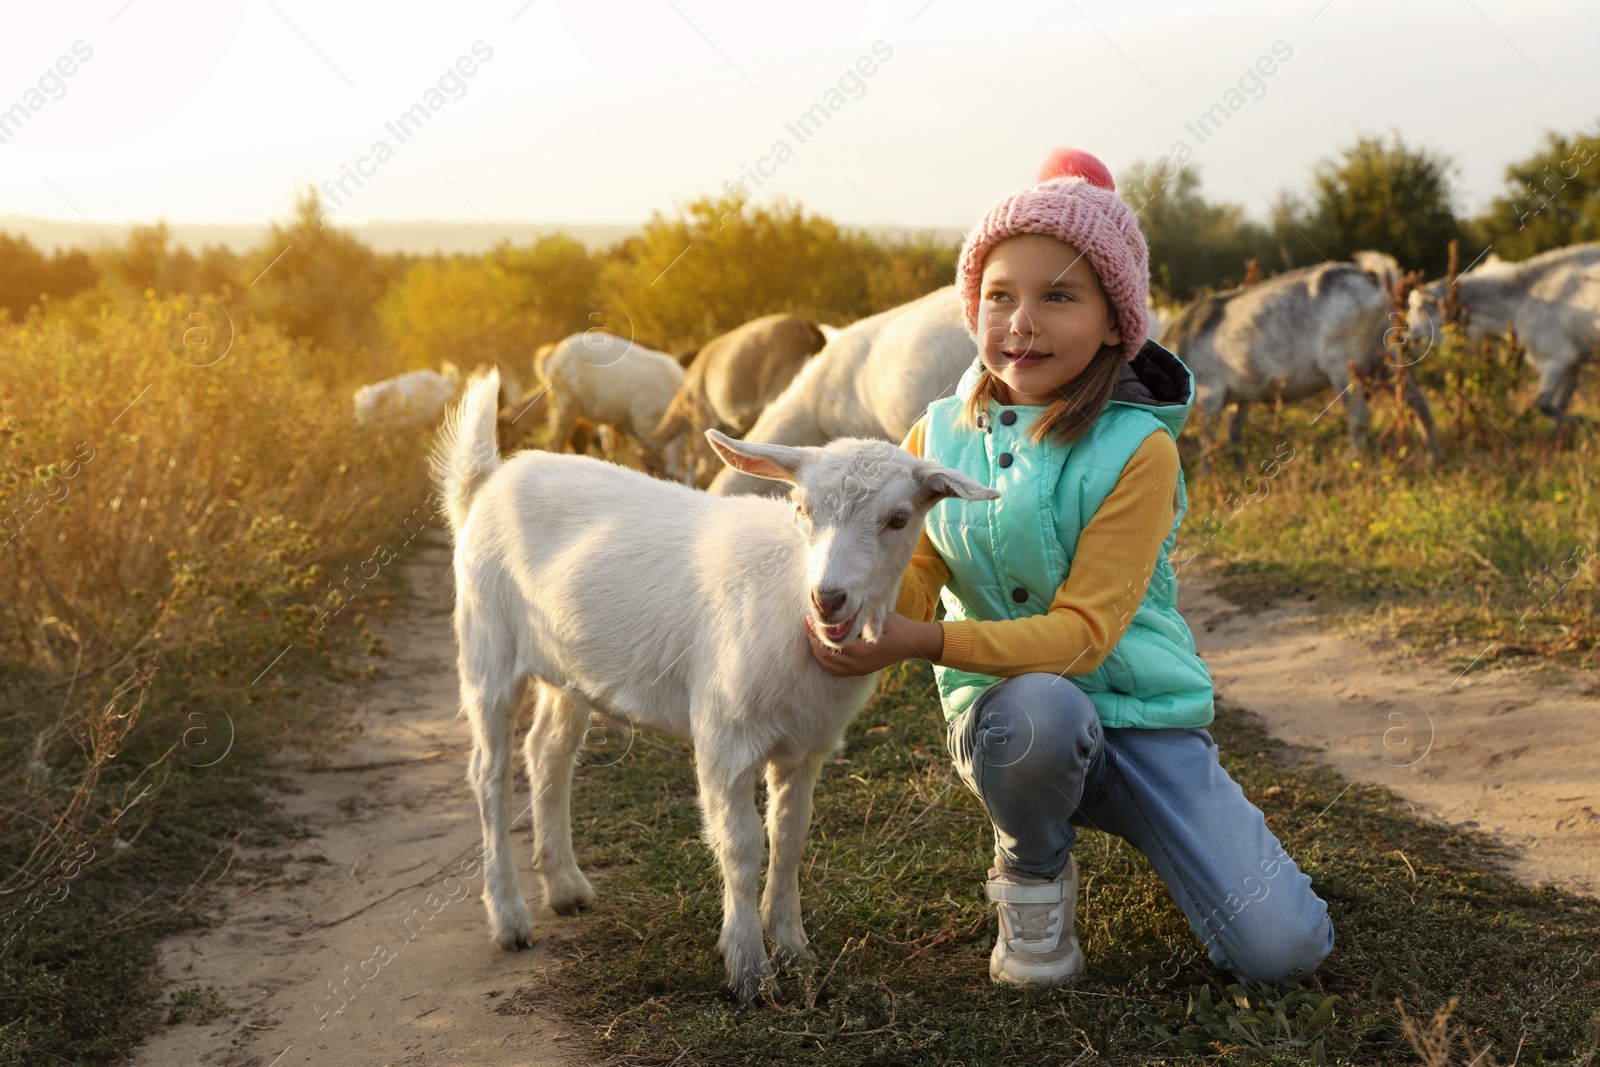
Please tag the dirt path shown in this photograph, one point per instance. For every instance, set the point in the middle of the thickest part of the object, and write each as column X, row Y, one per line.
column 1489, row 750
column 392, row 821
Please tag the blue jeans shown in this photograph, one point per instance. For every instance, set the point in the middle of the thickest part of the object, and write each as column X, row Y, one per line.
column 1033, row 750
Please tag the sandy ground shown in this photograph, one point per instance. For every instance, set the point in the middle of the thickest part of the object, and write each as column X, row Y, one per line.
column 391, row 821
column 376, row 916
column 1490, row 749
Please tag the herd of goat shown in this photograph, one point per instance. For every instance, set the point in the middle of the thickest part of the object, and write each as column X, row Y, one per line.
column 586, row 587
column 784, row 380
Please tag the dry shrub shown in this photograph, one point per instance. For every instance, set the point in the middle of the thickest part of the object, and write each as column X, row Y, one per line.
column 175, row 491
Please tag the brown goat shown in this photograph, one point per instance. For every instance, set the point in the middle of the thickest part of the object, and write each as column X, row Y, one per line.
column 730, row 381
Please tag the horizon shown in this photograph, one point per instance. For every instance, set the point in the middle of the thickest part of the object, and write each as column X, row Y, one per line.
column 449, row 237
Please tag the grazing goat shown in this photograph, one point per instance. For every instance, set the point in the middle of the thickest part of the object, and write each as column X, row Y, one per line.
column 658, row 605
column 611, row 380
column 730, row 381
column 1294, row 334
column 415, row 400
column 1552, row 301
column 874, row 380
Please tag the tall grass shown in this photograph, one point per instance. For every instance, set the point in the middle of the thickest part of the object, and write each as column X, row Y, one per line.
column 131, row 472
column 179, row 495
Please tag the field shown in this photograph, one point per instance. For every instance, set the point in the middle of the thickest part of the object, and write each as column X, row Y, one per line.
column 203, row 557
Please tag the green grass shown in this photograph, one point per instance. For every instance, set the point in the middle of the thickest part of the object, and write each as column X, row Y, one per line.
column 893, row 893
column 1494, row 553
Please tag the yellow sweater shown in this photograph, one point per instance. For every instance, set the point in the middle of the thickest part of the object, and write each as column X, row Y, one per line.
column 1110, row 571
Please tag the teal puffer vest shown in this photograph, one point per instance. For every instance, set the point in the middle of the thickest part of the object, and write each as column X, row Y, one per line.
column 1008, row 556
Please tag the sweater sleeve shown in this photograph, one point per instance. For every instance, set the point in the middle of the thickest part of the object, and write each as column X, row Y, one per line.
column 1111, row 568
column 927, row 573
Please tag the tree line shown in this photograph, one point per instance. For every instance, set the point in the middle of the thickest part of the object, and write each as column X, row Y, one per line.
column 717, row 263
column 1376, row 193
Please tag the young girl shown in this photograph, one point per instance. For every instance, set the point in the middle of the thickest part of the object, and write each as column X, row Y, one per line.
column 1070, row 684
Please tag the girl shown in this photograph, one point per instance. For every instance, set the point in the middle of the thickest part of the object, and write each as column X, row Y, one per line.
column 1069, row 682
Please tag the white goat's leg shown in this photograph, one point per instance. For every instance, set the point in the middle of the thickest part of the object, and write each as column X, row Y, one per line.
column 1419, row 404
column 733, row 829
column 1209, row 403
column 1558, row 379
column 1241, row 411
column 1360, row 415
column 789, row 792
column 606, row 436
column 1357, row 414
column 550, row 748
column 490, row 704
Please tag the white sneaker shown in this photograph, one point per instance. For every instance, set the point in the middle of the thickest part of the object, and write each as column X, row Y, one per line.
column 1036, row 944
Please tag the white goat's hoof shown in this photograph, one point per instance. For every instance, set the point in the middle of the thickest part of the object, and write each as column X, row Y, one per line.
column 568, row 892
column 515, row 932
column 749, row 989
column 785, row 958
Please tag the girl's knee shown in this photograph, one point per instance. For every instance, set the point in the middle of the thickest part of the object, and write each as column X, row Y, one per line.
column 1284, row 953
column 1038, row 722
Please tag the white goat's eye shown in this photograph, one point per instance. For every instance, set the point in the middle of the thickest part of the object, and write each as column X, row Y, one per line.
column 898, row 520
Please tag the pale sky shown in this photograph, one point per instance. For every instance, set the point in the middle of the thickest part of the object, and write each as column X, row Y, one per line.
column 601, row 111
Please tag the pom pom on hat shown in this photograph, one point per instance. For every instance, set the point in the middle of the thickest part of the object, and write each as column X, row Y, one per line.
column 1074, row 201
column 1076, row 163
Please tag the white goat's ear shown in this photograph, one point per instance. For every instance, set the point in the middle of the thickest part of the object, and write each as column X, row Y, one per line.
column 781, row 463
column 938, row 482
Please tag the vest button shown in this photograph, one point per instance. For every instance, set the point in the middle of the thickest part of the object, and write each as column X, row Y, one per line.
column 1008, row 416
column 1020, row 595
column 1005, row 459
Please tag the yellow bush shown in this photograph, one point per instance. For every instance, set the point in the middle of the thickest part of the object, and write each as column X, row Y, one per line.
column 136, row 438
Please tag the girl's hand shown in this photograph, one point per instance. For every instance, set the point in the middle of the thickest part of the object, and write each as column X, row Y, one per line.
column 902, row 639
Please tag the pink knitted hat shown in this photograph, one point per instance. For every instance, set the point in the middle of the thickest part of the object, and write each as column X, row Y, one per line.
column 1075, row 201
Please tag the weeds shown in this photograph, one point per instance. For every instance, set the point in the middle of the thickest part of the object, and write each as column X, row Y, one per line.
column 197, row 1006
column 1254, row 1020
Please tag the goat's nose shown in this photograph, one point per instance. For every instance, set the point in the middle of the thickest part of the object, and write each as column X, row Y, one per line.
column 827, row 600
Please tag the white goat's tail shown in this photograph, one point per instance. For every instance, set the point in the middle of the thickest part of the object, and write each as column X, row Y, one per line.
column 466, row 453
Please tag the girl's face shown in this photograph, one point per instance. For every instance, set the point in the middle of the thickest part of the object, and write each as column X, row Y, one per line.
column 1041, row 317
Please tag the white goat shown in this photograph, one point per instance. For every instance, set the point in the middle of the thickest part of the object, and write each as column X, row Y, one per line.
column 416, row 400
column 608, row 379
column 1552, row 300
column 662, row 606
column 1295, row 335
column 412, row 401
